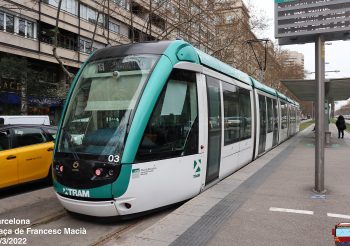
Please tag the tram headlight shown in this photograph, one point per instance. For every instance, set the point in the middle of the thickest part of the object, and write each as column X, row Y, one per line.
column 59, row 168
column 98, row 172
column 104, row 172
column 110, row 172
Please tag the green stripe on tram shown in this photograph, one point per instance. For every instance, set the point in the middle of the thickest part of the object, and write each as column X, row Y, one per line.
column 68, row 98
column 172, row 55
column 98, row 192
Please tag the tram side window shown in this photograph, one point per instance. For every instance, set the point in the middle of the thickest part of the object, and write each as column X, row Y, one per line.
column 269, row 115
column 293, row 118
column 172, row 130
column 275, row 114
column 294, row 115
column 288, row 115
column 284, row 115
column 262, row 111
column 298, row 116
column 232, row 119
column 245, row 114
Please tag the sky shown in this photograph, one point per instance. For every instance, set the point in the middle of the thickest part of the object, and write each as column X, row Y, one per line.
column 337, row 52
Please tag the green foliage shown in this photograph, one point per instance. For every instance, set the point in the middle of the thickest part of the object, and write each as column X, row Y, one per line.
column 19, row 69
column 14, row 67
column 306, row 124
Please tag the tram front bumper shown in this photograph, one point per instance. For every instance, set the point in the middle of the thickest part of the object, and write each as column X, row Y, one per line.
column 92, row 208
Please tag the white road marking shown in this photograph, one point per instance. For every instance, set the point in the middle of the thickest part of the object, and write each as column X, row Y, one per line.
column 287, row 210
column 343, row 216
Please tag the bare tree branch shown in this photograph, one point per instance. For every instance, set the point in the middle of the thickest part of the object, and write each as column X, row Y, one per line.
column 54, row 49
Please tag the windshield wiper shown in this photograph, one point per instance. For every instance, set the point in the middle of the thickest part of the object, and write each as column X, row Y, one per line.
column 68, row 137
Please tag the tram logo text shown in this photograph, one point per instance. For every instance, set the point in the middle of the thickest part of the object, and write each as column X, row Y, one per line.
column 73, row 192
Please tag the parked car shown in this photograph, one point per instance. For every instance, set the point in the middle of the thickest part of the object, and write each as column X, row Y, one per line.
column 24, row 119
column 25, row 153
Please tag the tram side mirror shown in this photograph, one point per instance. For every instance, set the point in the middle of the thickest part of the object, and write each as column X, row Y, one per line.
column 116, row 74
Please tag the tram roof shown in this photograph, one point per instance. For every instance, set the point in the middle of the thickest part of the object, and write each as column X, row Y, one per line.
column 156, row 48
column 184, row 51
column 161, row 47
column 222, row 67
column 282, row 96
column 260, row 86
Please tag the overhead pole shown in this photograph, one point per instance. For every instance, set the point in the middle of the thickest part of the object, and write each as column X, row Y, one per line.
column 320, row 114
column 262, row 65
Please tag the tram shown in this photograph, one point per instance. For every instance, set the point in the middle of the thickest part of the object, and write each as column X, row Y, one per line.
column 152, row 124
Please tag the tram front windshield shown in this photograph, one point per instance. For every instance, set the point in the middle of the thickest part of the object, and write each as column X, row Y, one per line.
column 98, row 111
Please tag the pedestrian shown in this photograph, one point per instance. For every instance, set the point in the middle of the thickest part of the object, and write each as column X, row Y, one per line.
column 341, row 126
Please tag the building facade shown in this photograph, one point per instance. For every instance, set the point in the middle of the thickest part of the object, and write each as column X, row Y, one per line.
column 28, row 31
column 294, row 58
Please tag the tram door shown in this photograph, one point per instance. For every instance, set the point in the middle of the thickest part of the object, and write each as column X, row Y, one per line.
column 214, row 129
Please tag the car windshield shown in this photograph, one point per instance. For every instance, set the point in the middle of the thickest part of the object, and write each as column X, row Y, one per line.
column 102, row 100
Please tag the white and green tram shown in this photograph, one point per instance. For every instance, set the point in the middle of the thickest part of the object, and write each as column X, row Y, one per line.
column 152, row 124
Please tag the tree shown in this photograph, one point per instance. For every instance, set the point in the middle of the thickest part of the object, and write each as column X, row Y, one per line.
column 20, row 70
column 17, row 69
column 55, row 44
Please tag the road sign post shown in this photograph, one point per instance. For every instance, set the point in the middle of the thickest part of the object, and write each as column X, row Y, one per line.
column 308, row 21
column 320, row 114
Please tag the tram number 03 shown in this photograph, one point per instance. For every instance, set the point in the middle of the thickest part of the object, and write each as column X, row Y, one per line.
column 113, row 158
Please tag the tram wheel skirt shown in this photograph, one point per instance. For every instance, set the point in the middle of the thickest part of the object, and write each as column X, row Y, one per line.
column 99, row 209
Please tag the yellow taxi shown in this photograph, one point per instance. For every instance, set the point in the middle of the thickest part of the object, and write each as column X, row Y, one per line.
column 25, row 153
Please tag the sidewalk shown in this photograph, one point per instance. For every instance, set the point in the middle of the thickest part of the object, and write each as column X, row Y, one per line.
column 251, row 206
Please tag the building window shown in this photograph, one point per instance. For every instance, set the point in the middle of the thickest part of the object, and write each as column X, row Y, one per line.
column 71, row 6
column 9, row 23
column 30, row 29
column 2, row 19
column 90, row 15
column 114, row 26
column 14, row 24
column 26, row 28
column 22, row 27
column 65, row 39
column 121, row 3
column 85, row 45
